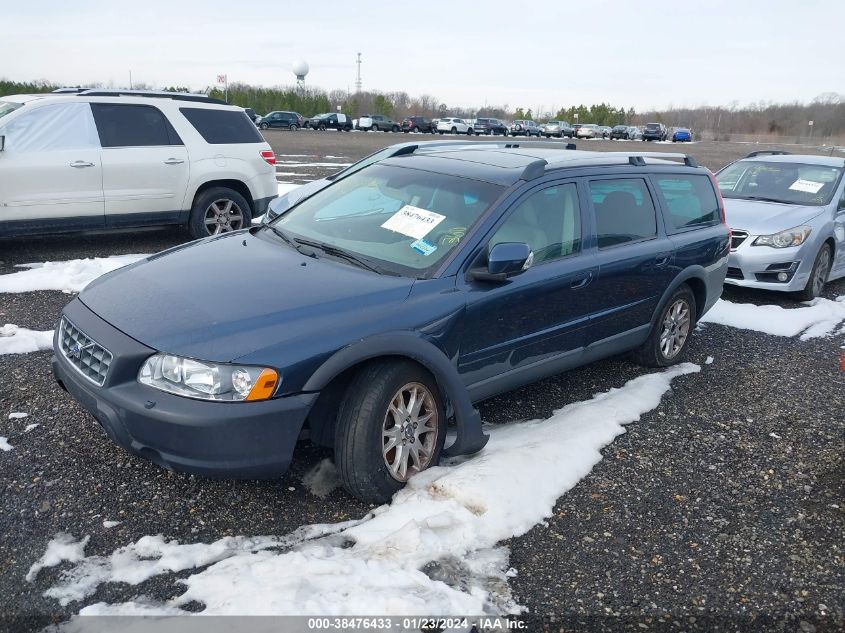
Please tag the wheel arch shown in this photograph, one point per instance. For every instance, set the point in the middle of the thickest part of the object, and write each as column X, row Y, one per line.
column 229, row 183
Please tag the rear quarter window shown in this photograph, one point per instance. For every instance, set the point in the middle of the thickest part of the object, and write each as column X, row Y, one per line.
column 624, row 211
column 222, row 127
column 690, row 201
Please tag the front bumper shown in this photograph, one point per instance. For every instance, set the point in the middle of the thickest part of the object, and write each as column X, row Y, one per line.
column 755, row 266
column 239, row 440
column 261, row 205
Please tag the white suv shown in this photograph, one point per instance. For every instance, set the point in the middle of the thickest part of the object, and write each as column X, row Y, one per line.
column 101, row 159
column 454, row 126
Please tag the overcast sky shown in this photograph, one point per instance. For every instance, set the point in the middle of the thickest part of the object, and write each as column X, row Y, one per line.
column 628, row 53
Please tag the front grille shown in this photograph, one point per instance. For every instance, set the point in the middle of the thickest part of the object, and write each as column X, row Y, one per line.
column 91, row 359
column 734, row 273
column 737, row 238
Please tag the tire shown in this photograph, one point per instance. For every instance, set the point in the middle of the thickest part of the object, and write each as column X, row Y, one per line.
column 210, row 205
column 322, row 127
column 454, row 130
column 374, row 128
column 415, row 129
column 671, row 331
column 818, row 276
column 263, row 126
column 395, row 129
column 441, row 133
column 293, row 127
column 364, row 424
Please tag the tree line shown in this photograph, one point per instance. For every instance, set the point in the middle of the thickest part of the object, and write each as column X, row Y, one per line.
column 827, row 111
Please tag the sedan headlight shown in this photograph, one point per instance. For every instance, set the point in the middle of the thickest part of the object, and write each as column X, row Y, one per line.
column 789, row 237
column 208, row 381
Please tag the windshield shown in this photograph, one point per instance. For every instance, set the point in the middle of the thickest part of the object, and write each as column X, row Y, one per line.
column 8, row 106
column 400, row 220
column 789, row 183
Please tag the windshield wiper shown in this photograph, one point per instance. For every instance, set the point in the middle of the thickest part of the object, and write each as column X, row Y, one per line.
column 328, row 249
column 287, row 239
column 763, row 199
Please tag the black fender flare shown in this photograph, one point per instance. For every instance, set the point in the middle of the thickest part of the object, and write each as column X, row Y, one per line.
column 692, row 272
column 470, row 438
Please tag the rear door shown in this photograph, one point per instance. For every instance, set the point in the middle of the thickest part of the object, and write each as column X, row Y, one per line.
column 51, row 171
column 634, row 256
column 538, row 316
column 145, row 164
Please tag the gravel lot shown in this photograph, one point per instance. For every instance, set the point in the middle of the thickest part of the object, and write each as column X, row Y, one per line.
column 721, row 509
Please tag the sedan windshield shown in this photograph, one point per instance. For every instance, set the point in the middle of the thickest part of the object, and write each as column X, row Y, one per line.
column 8, row 106
column 788, row 183
column 394, row 219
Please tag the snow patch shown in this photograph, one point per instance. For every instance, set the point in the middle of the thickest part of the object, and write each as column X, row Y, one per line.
column 68, row 276
column 432, row 551
column 292, row 163
column 322, row 479
column 17, row 415
column 18, row 340
column 30, row 427
column 709, row 360
column 817, row 318
column 110, row 524
column 4, row 444
column 63, row 547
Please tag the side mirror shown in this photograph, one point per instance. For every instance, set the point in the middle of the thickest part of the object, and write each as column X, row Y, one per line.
column 505, row 260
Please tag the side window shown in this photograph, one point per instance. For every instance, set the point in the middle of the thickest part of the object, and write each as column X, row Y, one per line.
column 128, row 125
column 549, row 221
column 65, row 126
column 624, row 211
column 690, row 199
column 223, row 127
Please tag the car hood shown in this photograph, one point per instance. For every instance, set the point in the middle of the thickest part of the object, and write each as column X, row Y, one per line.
column 764, row 218
column 221, row 298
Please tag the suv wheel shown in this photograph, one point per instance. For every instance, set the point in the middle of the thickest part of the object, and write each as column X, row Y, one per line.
column 669, row 338
column 395, row 129
column 322, row 127
column 263, row 126
column 818, row 276
column 374, row 128
column 218, row 210
column 454, row 130
column 293, row 127
column 391, row 425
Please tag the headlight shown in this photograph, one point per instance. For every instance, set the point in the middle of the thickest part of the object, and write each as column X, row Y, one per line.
column 789, row 237
column 208, row 381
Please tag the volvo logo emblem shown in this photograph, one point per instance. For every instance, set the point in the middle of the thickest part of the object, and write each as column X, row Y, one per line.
column 75, row 351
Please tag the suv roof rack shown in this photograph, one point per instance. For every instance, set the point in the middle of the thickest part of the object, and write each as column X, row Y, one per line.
column 637, row 159
column 768, row 152
column 156, row 94
column 539, row 145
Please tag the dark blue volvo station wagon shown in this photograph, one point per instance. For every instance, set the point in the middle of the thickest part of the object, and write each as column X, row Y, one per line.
column 376, row 312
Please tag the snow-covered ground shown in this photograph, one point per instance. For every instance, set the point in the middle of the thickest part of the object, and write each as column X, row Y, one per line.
column 818, row 318
column 453, row 516
column 68, row 276
column 18, row 340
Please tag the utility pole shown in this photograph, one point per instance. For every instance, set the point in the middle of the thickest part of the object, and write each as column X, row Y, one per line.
column 358, row 80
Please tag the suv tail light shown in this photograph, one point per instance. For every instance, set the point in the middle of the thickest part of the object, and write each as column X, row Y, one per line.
column 268, row 156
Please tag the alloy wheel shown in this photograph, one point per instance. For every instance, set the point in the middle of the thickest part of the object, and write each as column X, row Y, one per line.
column 409, row 431
column 676, row 327
column 222, row 216
column 822, row 271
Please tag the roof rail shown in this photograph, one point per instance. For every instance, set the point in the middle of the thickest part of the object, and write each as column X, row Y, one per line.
column 156, row 94
column 538, row 145
column 637, row 159
column 534, row 169
column 768, row 152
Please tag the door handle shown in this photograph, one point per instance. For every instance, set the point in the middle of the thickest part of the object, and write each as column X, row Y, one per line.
column 81, row 163
column 173, row 161
column 581, row 280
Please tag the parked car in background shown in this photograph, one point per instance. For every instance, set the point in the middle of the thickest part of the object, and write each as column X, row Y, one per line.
column 620, row 132
column 489, row 126
column 281, row 119
column 330, row 121
column 655, row 132
column 377, row 123
column 101, row 159
column 681, row 135
column 418, row 124
column 557, row 129
column 787, row 214
column 251, row 114
column 453, row 125
column 635, row 133
column 383, row 325
column 588, row 130
column 605, row 131
column 524, row 127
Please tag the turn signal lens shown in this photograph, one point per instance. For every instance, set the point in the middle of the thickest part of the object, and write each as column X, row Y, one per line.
column 265, row 385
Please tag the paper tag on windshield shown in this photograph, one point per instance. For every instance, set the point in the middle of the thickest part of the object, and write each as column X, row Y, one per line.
column 413, row 221
column 807, row 186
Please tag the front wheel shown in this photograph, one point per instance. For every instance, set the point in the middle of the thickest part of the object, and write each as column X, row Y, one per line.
column 395, row 128
column 218, row 210
column 391, row 425
column 818, row 276
column 263, row 126
column 669, row 338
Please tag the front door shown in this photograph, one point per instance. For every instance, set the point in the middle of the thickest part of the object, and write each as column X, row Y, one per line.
column 145, row 165
column 51, row 171
column 537, row 317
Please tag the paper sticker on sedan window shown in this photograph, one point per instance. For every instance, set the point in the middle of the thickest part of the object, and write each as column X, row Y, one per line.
column 413, row 221
column 807, row 186
column 426, row 248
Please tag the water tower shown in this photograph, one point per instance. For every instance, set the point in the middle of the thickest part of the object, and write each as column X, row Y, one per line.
column 300, row 69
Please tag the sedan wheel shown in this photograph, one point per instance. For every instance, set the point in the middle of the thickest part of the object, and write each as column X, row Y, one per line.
column 818, row 276
column 676, row 327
